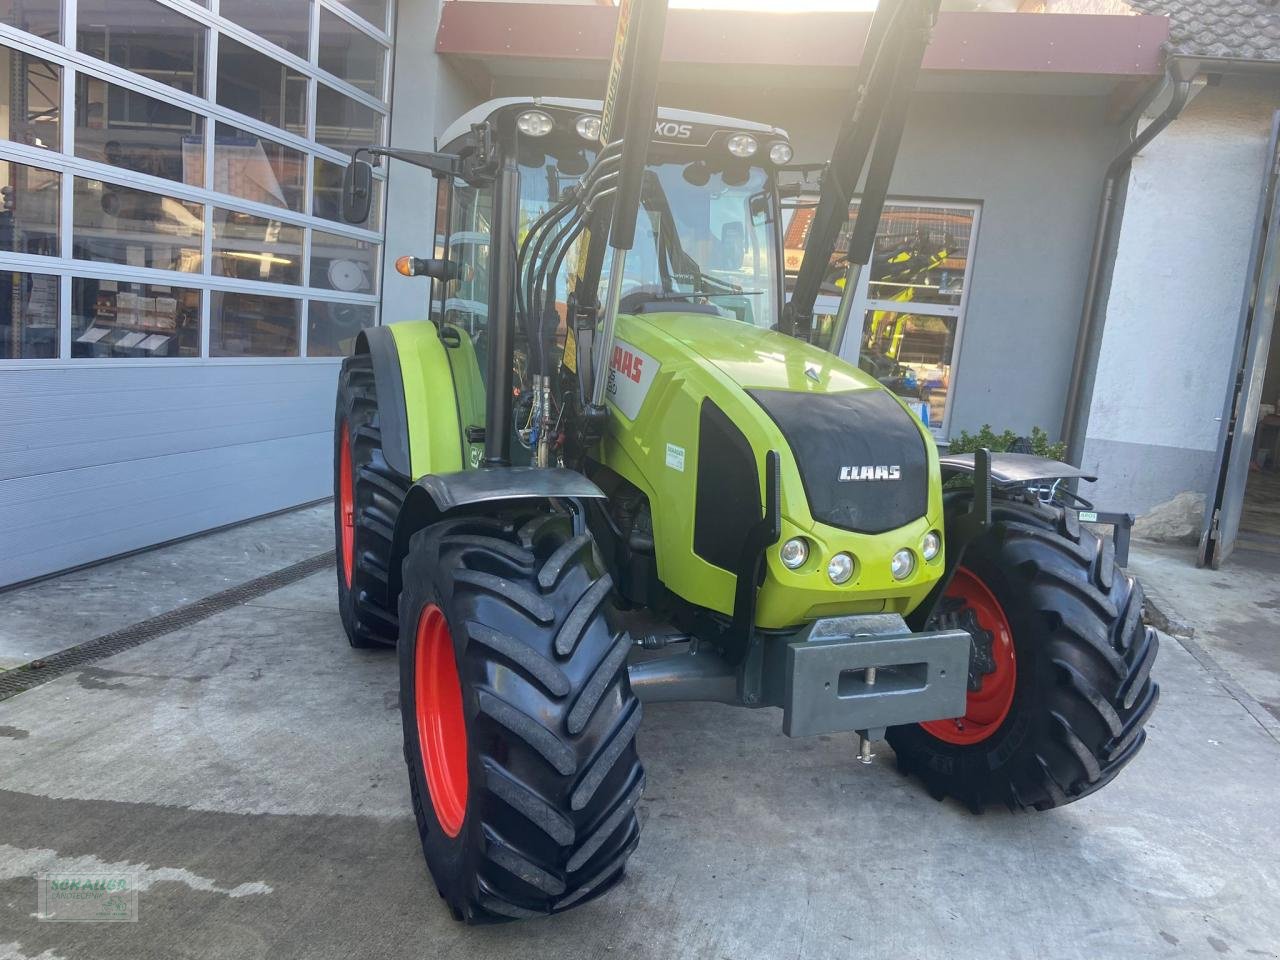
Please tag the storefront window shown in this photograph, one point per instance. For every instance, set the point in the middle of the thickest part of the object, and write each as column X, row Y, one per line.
column 253, row 325
column 112, row 318
column 344, row 124
column 30, row 110
column 341, row 263
column 132, row 131
column 332, row 327
column 254, row 168
column 285, row 23
column 28, row 316
column 28, row 209
column 254, row 84
column 41, row 17
column 350, row 54
column 255, row 248
column 146, row 37
column 138, row 228
column 375, row 11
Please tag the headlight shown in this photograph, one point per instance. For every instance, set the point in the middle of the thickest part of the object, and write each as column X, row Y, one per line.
column 794, row 553
column 534, row 123
column 743, row 145
column 903, row 564
column 781, row 153
column 931, row 545
column 588, row 127
column 840, row 568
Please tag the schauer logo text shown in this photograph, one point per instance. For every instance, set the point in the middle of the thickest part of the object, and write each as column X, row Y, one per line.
column 870, row 473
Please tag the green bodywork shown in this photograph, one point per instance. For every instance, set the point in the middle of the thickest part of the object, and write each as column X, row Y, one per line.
column 692, row 357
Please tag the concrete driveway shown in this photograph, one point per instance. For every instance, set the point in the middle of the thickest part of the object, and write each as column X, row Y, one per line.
column 248, row 770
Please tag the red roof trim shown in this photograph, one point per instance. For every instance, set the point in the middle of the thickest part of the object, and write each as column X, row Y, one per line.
column 1026, row 43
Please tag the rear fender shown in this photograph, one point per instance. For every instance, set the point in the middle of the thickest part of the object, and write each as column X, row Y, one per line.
column 471, row 491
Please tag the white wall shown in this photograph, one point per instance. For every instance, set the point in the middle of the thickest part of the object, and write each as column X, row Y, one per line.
column 1175, row 299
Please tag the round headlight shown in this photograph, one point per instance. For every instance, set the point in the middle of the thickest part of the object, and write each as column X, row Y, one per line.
column 743, row 145
column 903, row 564
column 588, row 127
column 781, row 153
column 534, row 123
column 840, row 568
column 930, row 545
column 794, row 553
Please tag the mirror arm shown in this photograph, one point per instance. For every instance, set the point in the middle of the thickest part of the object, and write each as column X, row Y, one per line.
column 441, row 164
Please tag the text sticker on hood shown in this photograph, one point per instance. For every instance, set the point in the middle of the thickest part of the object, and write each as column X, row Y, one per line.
column 631, row 373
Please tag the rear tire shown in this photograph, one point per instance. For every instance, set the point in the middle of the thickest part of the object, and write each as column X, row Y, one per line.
column 1082, row 692
column 367, row 496
column 534, row 811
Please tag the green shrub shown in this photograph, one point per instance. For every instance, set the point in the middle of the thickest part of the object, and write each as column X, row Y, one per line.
column 1000, row 442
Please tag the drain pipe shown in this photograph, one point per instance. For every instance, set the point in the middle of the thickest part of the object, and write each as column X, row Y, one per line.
column 1181, row 72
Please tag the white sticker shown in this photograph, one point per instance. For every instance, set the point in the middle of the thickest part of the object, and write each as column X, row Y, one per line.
column 675, row 457
column 631, row 374
column 1088, row 517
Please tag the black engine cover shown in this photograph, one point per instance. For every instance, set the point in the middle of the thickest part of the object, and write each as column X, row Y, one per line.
column 861, row 456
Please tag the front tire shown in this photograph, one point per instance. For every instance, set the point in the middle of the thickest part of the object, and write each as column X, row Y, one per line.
column 1060, row 688
column 524, row 776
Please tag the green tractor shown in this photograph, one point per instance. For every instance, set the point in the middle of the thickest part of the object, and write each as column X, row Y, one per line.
column 610, row 469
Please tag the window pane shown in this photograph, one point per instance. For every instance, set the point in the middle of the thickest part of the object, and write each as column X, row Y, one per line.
column 135, row 132
column 28, row 316
column 250, row 325
column 259, row 87
column 28, row 209
column 921, row 254
column 327, row 194
column 255, row 248
column 350, row 54
column 255, row 168
column 375, row 11
column 911, row 355
column 332, row 327
column 41, row 17
column 118, row 224
column 145, row 37
column 341, row 263
column 283, row 22
column 112, row 318
column 344, row 124
column 30, row 99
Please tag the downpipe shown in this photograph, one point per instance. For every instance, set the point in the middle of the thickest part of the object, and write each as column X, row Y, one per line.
column 1180, row 73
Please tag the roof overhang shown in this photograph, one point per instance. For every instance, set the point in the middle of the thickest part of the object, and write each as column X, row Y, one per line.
column 969, row 50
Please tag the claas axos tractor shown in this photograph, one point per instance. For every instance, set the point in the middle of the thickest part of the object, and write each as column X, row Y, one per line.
column 612, row 468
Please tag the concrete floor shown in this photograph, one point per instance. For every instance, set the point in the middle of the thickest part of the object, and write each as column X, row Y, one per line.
column 248, row 768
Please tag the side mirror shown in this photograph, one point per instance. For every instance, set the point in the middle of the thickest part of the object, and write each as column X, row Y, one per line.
column 357, row 191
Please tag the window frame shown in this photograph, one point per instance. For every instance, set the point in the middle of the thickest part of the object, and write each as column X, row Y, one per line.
column 64, row 162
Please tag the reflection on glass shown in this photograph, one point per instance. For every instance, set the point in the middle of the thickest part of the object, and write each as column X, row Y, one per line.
column 341, row 263
column 375, row 11
column 41, row 17
column 257, row 86
column 113, row 318
column 255, row 248
column 28, row 316
column 130, row 130
column 283, row 22
column 921, row 254
column 28, row 209
column 326, row 198
column 251, row 325
column 344, row 124
column 332, row 327
column 910, row 353
column 350, row 54
column 145, row 37
column 32, row 100
column 119, row 224
column 254, row 168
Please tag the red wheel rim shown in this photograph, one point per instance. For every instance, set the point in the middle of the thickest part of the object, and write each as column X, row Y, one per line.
column 442, row 733
column 986, row 707
column 346, row 506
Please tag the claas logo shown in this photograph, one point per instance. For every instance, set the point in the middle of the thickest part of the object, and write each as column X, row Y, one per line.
column 627, row 364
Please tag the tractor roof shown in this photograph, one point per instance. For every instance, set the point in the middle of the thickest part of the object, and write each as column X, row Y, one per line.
column 482, row 112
